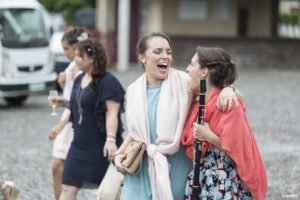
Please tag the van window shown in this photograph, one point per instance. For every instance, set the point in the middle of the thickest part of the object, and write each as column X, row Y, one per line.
column 22, row 28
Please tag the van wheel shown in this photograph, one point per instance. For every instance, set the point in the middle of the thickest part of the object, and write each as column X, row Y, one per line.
column 15, row 101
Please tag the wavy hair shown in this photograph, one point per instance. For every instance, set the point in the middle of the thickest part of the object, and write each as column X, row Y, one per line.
column 95, row 50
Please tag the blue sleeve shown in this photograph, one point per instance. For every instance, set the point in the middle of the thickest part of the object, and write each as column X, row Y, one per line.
column 111, row 88
column 108, row 88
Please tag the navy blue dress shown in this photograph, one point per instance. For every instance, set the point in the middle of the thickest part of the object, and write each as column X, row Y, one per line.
column 85, row 165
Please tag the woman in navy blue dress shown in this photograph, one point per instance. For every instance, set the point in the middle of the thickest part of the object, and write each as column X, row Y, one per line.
column 96, row 104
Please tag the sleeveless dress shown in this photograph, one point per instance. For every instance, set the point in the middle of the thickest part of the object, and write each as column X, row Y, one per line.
column 85, row 165
column 137, row 187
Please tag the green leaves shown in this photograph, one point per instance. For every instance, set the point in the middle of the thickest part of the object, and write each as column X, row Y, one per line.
column 68, row 7
column 288, row 18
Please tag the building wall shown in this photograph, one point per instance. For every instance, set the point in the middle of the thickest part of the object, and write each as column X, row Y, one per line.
column 246, row 53
column 288, row 6
column 106, row 24
column 209, row 27
column 163, row 16
column 106, row 15
column 259, row 17
column 154, row 16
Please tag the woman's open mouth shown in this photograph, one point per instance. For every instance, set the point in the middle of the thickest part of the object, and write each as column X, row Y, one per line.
column 162, row 66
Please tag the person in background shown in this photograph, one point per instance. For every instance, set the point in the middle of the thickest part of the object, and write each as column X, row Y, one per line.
column 96, row 104
column 9, row 190
column 157, row 106
column 232, row 166
column 63, row 131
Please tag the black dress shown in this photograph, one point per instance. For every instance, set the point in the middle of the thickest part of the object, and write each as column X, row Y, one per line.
column 85, row 165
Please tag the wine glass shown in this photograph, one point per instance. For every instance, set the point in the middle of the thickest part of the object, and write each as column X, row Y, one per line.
column 52, row 95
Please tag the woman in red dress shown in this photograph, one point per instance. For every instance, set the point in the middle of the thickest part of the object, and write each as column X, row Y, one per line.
column 232, row 166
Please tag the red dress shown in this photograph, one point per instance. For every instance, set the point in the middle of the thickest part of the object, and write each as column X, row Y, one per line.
column 236, row 138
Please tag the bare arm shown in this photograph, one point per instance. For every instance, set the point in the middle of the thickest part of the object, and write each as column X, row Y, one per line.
column 111, row 116
column 58, row 128
column 59, row 102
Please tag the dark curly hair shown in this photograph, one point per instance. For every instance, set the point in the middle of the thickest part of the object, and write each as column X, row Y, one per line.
column 70, row 36
column 141, row 46
column 95, row 50
column 218, row 62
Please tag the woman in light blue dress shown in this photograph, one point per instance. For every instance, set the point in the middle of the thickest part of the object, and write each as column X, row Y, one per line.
column 138, row 186
column 157, row 105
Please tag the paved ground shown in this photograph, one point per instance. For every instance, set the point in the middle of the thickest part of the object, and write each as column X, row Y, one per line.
column 272, row 99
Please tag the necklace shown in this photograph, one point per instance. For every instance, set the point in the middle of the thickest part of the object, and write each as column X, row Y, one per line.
column 78, row 101
column 79, row 93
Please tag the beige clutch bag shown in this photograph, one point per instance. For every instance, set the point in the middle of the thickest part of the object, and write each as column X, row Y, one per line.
column 134, row 157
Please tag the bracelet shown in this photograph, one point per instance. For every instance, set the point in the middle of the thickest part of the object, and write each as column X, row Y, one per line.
column 110, row 139
column 111, row 135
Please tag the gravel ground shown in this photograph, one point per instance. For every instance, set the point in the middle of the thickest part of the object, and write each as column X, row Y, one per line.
column 272, row 99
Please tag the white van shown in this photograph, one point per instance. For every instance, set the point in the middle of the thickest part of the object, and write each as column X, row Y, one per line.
column 26, row 64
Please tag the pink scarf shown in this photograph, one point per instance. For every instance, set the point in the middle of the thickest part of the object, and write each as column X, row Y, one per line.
column 173, row 106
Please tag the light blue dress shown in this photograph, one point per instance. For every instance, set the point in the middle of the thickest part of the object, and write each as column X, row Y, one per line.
column 137, row 187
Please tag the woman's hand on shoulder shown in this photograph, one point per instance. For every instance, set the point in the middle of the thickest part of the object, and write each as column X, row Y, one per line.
column 225, row 99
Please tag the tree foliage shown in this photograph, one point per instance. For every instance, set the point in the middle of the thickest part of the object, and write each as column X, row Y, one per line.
column 68, row 7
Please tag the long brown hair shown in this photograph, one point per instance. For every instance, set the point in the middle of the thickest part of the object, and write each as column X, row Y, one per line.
column 95, row 50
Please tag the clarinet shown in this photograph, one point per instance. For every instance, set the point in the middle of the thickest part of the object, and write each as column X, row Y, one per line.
column 198, row 161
